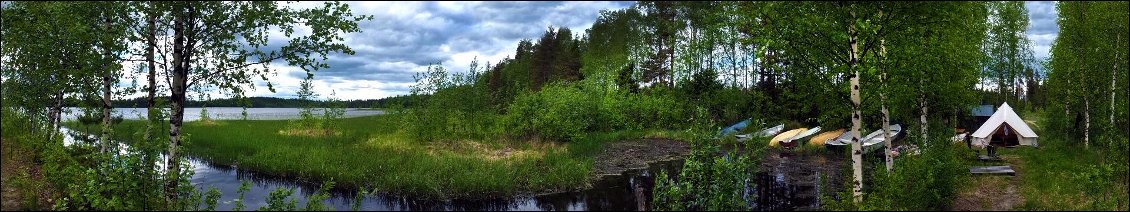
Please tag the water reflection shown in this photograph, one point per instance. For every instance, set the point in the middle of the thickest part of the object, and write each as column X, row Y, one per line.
column 224, row 113
column 612, row 193
column 794, row 182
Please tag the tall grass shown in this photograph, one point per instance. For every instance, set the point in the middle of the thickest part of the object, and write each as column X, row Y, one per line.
column 373, row 152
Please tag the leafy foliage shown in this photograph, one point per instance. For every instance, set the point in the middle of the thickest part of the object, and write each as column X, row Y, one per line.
column 314, row 202
column 924, row 182
column 566, row 111
column 708, row 180
column 278, row 201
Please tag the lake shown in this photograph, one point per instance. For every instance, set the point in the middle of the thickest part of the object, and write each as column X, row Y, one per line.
column 225, row 113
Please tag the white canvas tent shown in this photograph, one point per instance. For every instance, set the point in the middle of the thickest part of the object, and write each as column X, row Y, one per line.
column 1004, row 122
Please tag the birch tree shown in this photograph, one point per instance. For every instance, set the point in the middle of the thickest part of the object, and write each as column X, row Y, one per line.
column 48, row 58
column 225, row 44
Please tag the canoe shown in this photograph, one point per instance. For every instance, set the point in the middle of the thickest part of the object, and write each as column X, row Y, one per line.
column 785, row 135
column 959, row 137
column 822, row 138
column 790, row 142
column 874, row 142
column 763, row 133
column 771, row 131
column 844, row 139
column 735, row 128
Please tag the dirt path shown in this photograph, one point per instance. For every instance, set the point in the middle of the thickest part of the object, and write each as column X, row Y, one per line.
column 637, row 153
column 992, row 193
column 20, row 180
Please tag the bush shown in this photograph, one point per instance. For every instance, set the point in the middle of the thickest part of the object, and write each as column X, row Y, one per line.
column 558, row 111
column 708, row 181
column 925, row 182
column 457, row 106
column 660, row 111
column 280, row 200
column 564, row 111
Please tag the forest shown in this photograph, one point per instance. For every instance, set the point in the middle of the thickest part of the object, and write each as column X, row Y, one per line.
column 657, row 70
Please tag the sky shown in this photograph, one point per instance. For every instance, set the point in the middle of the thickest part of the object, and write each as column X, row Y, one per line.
column 405, row 37
column 1042, row 28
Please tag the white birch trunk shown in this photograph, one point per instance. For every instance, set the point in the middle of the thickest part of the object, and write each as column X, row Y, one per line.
column 856, row 148
column 922, row 117
column 1086, row 122
column 107, row 79
column 883, row 102
column 1113, row 74
column 151, row 44
column 178, row 96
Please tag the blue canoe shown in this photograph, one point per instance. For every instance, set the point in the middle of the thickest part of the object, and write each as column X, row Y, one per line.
column 734, row 128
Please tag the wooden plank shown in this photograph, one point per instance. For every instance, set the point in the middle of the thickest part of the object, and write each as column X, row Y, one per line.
column 988, row 158
column 992, row 170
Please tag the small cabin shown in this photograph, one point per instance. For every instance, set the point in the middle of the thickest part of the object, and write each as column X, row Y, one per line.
column 979, row 114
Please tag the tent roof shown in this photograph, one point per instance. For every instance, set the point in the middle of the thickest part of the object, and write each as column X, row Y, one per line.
column 1003, row 115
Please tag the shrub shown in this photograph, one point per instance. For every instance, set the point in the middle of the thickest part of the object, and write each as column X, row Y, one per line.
column 280, row 200
column 457, row 106
column 558, row 111
column 564, row 111
column 923, row 182
column 708, row 181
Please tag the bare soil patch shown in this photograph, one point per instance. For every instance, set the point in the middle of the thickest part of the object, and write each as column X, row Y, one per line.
column 620, row 156
column 992, row 193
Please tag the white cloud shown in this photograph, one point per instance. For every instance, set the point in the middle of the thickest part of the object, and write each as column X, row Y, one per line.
column 1042, row 28
column 405, row 37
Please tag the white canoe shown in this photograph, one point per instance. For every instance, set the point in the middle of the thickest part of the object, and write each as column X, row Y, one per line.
column 763, row 133
column 874, row 141
column 798, row 136
column 844, row 139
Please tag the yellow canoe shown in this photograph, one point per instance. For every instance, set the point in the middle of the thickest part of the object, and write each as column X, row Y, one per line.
column 785, row 135
column 819, row 139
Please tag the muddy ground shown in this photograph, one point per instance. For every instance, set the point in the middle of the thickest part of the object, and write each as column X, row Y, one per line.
column 636, row 154
column 992, row 193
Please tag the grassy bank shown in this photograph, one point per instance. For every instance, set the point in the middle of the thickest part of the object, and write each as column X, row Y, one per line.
column 373, row 152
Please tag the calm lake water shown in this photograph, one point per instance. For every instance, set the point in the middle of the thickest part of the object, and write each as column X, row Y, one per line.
column 225, row 113
column 785, row 181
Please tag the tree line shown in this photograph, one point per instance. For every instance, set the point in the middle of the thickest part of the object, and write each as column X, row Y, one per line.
column 857, row 65
column 273, row 102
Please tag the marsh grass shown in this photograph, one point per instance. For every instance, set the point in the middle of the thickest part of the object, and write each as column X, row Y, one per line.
column 309, row 132
column 807, row 148
column 374, row 152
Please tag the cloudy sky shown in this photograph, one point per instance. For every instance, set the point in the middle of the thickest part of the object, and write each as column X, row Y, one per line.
column 1042, row 28
column 404, row 37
